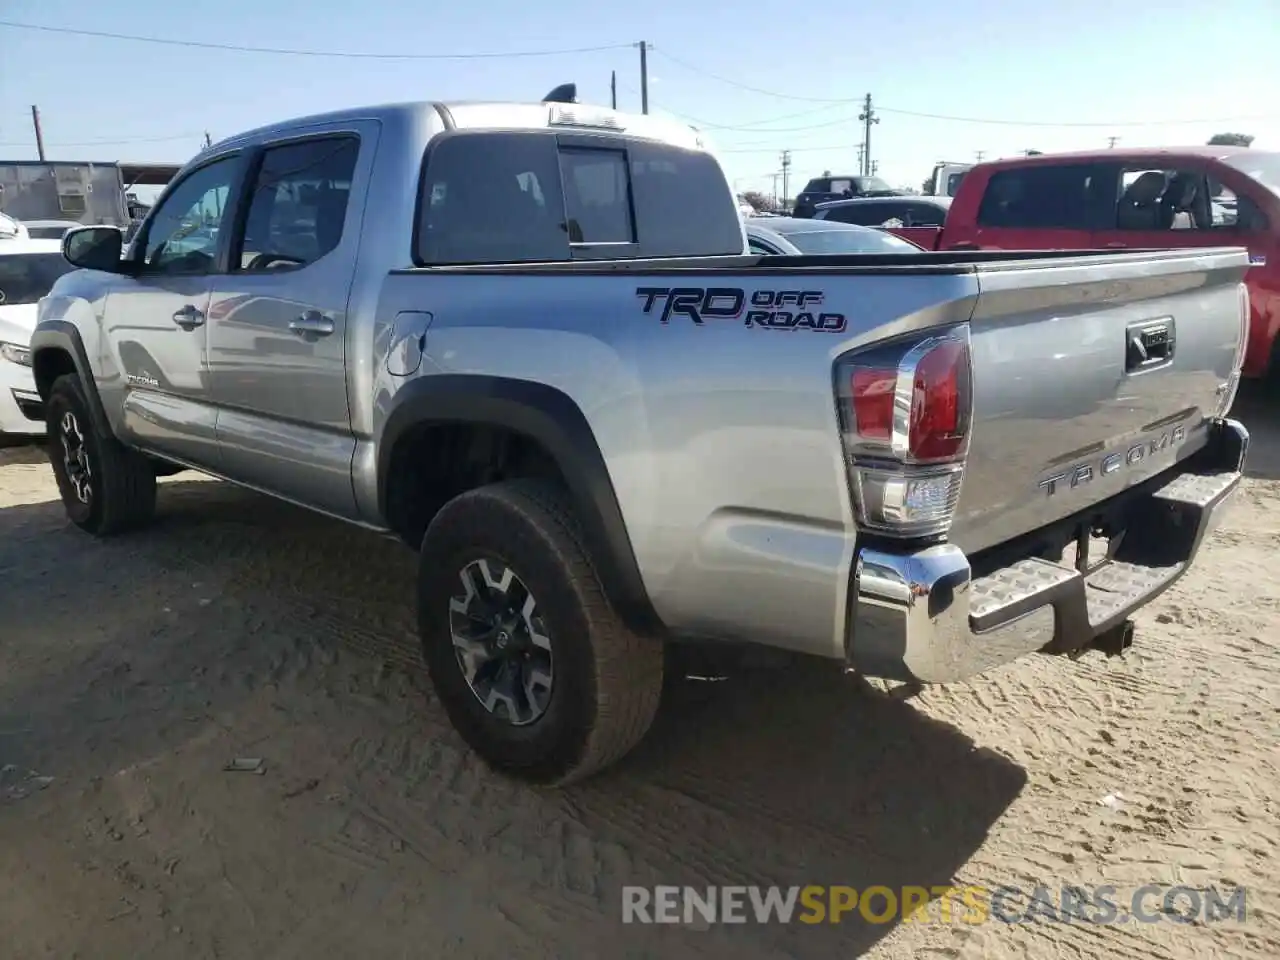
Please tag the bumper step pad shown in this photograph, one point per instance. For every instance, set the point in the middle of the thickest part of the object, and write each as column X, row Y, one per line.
column 1086, row 605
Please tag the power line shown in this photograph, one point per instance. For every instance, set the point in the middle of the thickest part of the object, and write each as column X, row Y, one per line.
column 745, row 86
column 755, row 126
column 950, row 117
column 761, row 130
column 99, row 143
column 290, row 52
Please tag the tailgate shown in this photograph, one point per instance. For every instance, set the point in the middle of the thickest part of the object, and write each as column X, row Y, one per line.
column 1091, row 375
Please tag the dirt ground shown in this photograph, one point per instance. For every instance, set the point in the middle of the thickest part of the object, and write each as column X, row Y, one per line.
column 132, row 671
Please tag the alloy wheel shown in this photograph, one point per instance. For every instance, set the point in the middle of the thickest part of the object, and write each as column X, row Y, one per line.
column 501, row 642
column 75, row 457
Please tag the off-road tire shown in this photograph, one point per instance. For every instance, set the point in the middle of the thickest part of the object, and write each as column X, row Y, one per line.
column 607, row 680
column 122, row 482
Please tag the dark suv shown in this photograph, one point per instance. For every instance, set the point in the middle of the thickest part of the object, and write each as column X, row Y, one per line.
column 843, row 187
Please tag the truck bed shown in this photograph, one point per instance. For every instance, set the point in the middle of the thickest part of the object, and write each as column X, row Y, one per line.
column 742, row 422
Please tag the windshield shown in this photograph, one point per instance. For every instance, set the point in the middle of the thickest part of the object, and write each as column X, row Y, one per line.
column 850, row 241
column 873, row 185
column 1263, row 167
column 26, row 277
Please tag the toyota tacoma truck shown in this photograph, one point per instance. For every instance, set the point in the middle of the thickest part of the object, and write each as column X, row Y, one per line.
column 528, row 340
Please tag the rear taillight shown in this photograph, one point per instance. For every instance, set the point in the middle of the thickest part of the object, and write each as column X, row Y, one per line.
column 905, row 410
column 1232, row 385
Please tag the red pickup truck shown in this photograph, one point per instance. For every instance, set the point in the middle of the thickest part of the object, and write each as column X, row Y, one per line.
column 1129, row 199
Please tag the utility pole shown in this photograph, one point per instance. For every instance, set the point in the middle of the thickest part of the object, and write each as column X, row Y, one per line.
column 868, row 117
column 875, row 167
column 208, row 140
column 862, row 149
column 1111, row 142
column 775, row 188
column 613, row 88
column 980, row 154
column 786, row 175
column 35, row 121
column 644, row 76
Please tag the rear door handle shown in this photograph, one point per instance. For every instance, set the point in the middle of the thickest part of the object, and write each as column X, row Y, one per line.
column 1117, row 245
column 313, row 323
column 188, row 318
column 964, row 245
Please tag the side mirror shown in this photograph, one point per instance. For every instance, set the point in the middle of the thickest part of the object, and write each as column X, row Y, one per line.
column 94, row 248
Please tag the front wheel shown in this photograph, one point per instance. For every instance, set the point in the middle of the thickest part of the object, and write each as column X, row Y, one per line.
column 106, row 488
column 532, row 664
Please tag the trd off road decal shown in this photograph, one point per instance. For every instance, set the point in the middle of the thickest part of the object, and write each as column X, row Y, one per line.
column 770, row 309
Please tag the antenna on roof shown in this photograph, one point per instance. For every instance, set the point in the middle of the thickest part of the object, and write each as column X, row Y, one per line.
column 565, row 93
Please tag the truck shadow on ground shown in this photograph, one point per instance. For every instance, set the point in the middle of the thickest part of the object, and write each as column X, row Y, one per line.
column 239, row 626
column 1257, row 406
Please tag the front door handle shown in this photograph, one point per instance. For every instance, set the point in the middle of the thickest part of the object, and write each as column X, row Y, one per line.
column 313, row 323
column 188, row 318
column 964, row 245
column 1117, row 245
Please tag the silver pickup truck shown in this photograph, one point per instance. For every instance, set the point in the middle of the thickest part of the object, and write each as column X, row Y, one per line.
column 527, row 339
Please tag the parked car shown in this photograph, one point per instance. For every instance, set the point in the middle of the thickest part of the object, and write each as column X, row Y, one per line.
column 902, row 214
column 49, row 229
column 789, row 236
column 28, row 269
column 1184, row 197
column 842, row 187
column 11, row 229
column 528, row 340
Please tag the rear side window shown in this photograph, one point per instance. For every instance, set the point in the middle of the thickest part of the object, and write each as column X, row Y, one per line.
column 862, row 214
column 491, row 197
column 1064, row 197
column 299, row 203
column 925, row 215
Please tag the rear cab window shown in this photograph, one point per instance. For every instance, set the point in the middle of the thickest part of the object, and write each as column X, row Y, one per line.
column 546, row 196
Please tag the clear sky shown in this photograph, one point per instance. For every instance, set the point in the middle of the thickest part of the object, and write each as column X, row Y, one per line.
column 1057, row 75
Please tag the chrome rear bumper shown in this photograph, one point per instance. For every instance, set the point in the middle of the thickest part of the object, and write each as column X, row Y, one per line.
column 923, row 617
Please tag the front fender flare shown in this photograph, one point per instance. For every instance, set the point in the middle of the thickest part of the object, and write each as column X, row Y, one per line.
column 551, row 418
column 62, row 336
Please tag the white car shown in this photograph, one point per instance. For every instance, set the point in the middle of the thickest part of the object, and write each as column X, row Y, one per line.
column 798, row 236
column 49, row 229
column 28, row 269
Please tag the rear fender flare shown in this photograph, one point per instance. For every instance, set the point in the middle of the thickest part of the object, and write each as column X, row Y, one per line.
column 551, row 418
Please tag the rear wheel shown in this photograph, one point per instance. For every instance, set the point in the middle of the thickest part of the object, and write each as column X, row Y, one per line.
column 532, row 664
column 106, row 488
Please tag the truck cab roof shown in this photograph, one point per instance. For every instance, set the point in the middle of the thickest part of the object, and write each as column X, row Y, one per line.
column 489, row 115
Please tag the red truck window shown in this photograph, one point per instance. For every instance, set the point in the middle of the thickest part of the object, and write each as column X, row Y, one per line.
column 1045, row 196
column 1179, row 198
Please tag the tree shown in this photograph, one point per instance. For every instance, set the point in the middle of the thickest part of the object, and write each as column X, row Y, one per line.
column 757, row 200
column 930, row 184
column 1035, row 153
column 1230, row 140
